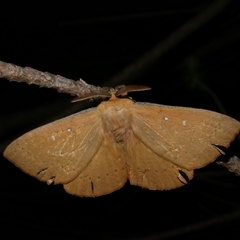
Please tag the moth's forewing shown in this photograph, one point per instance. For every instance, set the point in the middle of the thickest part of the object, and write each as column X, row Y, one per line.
column 59, row 151
column 184, row 136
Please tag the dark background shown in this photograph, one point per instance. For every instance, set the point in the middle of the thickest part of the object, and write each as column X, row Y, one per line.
column 95, row 41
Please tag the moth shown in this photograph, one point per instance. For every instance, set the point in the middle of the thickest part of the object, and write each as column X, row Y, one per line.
column 94, row 152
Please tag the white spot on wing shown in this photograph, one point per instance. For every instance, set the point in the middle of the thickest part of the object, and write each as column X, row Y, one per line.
column 165, row 118
column 53, row 138
column 50, row 181
column 184, row 122
column 69, row 129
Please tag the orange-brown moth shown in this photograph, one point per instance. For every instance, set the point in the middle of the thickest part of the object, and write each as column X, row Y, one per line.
column 94, row 152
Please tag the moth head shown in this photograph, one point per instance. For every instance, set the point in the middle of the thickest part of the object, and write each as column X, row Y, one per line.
column 106, row 93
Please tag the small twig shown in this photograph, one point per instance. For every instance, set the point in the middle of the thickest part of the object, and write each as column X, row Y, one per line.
column 233, row 165
column 44, row 79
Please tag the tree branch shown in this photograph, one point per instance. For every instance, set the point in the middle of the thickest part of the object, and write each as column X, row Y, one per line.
column 44, row 79
column 137, row 68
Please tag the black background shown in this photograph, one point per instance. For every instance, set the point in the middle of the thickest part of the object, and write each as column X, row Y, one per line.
column 95, row 41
